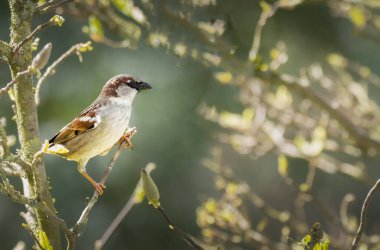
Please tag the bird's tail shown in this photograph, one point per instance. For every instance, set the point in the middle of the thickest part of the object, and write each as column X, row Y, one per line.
column 52, row 148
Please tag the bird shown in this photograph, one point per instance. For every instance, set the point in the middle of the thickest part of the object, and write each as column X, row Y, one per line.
column 100, row 126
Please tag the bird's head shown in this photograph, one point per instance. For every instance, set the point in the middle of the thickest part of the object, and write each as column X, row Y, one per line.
column 123, row 86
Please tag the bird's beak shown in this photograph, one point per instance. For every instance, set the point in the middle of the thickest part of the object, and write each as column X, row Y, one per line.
column 143, row 85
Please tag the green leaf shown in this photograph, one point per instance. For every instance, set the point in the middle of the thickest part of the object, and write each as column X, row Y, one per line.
column 325, row 245
column 306, row 240
column 317, row 246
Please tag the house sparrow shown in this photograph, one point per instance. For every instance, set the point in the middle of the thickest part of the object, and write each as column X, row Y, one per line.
column 99, row 126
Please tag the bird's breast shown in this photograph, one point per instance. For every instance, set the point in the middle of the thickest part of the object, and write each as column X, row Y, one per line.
column 114, row 122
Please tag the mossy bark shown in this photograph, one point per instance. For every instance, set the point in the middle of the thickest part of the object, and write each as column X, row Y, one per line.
column 5, row 51
column 27, row 122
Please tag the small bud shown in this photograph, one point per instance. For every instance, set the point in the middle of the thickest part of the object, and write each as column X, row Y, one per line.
column 150, row 189
column 84, row 47
column 35, row 44
column 40, row 60
column 57, row 20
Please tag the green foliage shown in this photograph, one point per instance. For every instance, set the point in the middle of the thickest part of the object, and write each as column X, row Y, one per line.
column 313, row 240
column 57, row 20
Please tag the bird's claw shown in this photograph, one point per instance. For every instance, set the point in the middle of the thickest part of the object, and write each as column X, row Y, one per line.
column 99, row 187
column 127, row 138
column 128, row 144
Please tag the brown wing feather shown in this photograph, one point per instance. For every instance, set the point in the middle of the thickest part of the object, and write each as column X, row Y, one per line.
column 86, row 121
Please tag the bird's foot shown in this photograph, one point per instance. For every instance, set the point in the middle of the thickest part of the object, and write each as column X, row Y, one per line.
column 99, row 187
column 127, row 138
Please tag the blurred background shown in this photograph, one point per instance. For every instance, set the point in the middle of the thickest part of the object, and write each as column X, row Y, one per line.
column 182, row 128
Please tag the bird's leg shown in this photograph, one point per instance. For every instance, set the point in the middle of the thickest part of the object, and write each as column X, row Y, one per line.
column 127, row 137
column 97, row 185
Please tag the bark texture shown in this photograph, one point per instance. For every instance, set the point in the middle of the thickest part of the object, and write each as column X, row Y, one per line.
column 27, row 121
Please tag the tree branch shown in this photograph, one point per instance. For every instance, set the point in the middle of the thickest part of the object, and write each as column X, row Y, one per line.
column 33, row 33
column 363, row 215
column 79, row 226
column 152, row 194
column 27, row 122
column 27, row 228
column 51, row 5
column 303, row 86
column 172, row 226
column 14, row 80
column 10, row 191
column 133, row 200
column 265, row 15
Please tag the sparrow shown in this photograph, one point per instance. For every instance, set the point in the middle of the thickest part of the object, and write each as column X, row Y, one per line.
column 99, row 126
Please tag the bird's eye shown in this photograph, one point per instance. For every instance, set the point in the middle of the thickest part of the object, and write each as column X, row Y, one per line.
column 129, row 81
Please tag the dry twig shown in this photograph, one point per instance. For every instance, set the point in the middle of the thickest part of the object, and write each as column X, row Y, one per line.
column 51, row 5
column 183, row 234
column 133, row 200
column 14, row 80
column 33, row 33
column 265, row 15
column 363, row 215
column 79, row 226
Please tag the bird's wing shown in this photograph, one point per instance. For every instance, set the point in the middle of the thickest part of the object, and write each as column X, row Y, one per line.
column 86, row 121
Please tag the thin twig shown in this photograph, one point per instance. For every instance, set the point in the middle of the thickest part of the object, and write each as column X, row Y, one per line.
column 50, row 70
column 79, row 226
column 77, row 229
column 10, row 168
column 11, row 83
column 32, row 34
column 363, row 215
column 99, row 244
column 265, row 15
column 184, row 235
column 51, row 5
column 33, row 236
column 62, row 224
